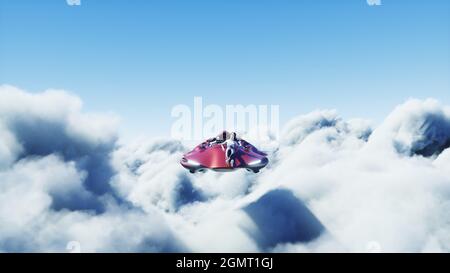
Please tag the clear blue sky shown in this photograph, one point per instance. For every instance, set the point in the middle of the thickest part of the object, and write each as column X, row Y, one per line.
column 139, row 58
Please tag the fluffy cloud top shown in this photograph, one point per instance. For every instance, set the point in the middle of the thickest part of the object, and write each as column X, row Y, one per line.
column 332, row 185
column 417, row 127
column 55, row 180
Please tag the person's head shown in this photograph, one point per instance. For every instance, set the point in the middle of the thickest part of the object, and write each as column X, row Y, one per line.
column 233, row 136
column 224, row 135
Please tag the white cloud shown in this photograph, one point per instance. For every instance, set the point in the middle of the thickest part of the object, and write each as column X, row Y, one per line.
column 416, row 127
column 63, row 178
column 9, row 147
column 376, row 191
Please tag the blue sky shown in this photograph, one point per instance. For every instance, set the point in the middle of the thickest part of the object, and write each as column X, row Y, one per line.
column 140, row 58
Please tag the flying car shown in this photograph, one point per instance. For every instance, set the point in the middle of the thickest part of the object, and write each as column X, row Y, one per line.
column 210, row 155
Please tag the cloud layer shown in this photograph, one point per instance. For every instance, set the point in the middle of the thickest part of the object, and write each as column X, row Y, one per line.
column 332, row 185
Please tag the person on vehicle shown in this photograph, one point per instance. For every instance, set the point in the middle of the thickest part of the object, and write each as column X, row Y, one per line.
column 232, row 144
column 219, row 138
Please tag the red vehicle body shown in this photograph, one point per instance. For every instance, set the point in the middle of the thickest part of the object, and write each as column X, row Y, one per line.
column 212, row 156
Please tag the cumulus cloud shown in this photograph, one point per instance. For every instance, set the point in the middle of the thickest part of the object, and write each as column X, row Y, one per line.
column 52, row 123
column 377, row 190
column 331, row 185
column 55, row 180
column 416, row 127
column 149, row 175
